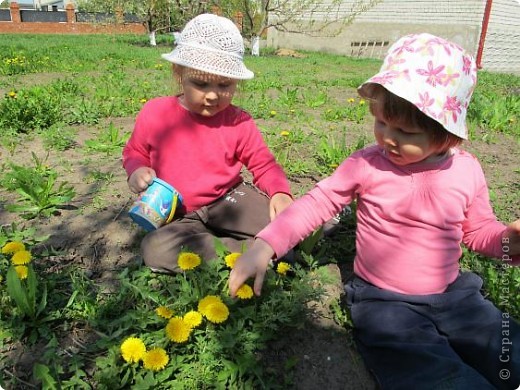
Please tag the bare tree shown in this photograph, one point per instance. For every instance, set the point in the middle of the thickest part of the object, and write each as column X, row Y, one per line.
column 157, row 15
column 309, row 17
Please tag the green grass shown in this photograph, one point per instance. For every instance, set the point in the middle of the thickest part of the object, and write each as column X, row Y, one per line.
column 307, row 108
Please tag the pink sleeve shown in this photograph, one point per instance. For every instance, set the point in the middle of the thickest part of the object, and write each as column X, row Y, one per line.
column 314, row 208
column 482, row 232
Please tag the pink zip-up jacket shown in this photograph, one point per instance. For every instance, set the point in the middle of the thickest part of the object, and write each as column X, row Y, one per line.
column 411, row 220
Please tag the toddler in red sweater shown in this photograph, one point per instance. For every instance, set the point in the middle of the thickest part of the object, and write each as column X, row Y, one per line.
column 198, row 142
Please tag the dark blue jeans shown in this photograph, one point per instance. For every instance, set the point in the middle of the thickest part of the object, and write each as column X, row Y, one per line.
column 453, row 340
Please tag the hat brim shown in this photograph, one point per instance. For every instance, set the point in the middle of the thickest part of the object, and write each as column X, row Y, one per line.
column 222, row 65
column 403, row 90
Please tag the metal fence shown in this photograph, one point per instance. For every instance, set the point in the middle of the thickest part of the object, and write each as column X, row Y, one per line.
column 16, row 20
column 61, row 16
column 94, row 17
column 5, row 15
column 130, row 18
column 100, row 17
column 43, row 16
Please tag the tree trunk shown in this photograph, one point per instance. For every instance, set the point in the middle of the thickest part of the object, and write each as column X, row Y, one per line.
column 255, row 46
column 152, row 38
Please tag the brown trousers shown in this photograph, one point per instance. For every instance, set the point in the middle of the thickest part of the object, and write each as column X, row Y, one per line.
column 234, row 219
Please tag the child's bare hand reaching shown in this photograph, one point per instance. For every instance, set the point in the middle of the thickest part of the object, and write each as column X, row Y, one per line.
column 252, row 264
column 140, row 179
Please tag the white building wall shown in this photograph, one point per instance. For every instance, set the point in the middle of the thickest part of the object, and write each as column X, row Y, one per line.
column 502, row 45
column 413, row 11
column 425, row 11
column 371, row 32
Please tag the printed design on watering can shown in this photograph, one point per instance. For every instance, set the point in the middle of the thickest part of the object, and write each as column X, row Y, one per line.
column 156, row 206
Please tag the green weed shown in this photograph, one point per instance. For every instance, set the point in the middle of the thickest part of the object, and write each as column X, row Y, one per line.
column 111, row 140
column 12, row 63
column 352, row 111
column 59, row 137
column 332, row 152
column 25, row 110
column 496, row 113
column 315, row 100
column 40, row 193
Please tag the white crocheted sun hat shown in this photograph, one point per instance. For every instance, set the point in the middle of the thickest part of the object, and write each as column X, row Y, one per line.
column 212, row 44
column 435, row 75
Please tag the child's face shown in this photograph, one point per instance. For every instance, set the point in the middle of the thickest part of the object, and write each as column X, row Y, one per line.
column 403, row 143
column 204, row 93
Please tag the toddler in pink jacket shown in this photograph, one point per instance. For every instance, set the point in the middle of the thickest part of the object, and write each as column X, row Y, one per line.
column 419, row 322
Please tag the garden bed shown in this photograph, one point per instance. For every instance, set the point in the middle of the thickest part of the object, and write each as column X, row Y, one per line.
column 86, row 249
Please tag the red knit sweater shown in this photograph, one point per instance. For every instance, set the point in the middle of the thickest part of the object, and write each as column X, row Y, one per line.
column 201, row 157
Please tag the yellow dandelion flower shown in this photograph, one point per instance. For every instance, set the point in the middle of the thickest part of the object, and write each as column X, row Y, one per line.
column 351, row 100
column 21, row 258
column 231, row 259
column 155, row 359
column 283, row 267
column 217, row 313
column 362, row 102
column 245, row 292
column 13, row 247
column 272, row 113
column 143, row 100
column 206, row 302
column 285, row 133
column 178, row 330
column 22, row 271
column 193, row 318
column 133, row 349
column 12, row 94
column 164, row 312
column 188, row 260
column 333, row 166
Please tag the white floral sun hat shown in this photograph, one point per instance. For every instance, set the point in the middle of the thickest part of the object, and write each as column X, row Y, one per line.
column 212, row 44
column 435, row 75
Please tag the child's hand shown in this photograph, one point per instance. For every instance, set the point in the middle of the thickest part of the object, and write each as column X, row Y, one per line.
column 140, row 179
column 279, row 202
column 513, row 234
column 252, row 263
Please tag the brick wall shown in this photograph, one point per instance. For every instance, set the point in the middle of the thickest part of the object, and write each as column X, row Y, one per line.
column 71, row 26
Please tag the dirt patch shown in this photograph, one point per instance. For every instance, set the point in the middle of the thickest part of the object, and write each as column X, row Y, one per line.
column 289, row 53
